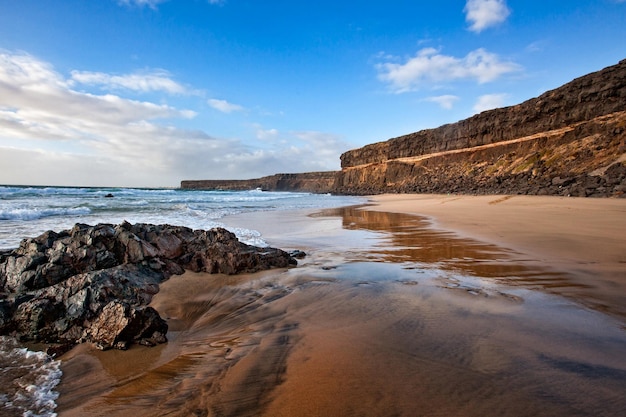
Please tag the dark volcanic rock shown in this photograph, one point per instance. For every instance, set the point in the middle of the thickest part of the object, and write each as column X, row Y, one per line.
column 95, row 282
column 120, row 323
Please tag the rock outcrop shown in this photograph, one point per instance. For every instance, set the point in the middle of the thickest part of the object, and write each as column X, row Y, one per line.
column 310, row 182
column 568, row 141
column 94, row 283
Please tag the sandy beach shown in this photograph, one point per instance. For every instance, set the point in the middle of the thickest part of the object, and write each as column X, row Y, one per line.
column 413, row 305
column 551, row 229
column 584, row 237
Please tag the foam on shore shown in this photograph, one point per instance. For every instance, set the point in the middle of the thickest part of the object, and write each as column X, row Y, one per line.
column 28, row 381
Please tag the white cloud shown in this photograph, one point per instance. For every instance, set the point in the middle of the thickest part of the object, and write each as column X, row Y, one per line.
column 446, row 101
column 537, row 46
column 154, row 3
column 150, row 3
column 288, row 152
column 51, row 134
column 26, row 72
column 224, row 106
column 482, row 14
column 34, row 94
column 266, row 134
column 306, row 151
column 490, row 101
column 326, row 146
column 430, row 68
column 140, row 82
column 39, row 110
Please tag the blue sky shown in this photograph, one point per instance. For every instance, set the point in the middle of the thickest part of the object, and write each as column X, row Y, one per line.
column 151, row 92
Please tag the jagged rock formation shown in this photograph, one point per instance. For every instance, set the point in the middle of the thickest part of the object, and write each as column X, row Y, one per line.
column 94, row 283
column 568, row 141
column 312, row 182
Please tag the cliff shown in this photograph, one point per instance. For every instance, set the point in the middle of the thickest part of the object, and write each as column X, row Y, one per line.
column 312, row 182
column 568, row 141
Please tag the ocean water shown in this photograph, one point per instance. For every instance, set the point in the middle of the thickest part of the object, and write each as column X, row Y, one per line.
column 28, row 379
column 30, row 211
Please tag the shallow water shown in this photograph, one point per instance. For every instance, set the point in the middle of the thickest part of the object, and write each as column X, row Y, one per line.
column 27, row 381
column 387, row 318
column 407, row 238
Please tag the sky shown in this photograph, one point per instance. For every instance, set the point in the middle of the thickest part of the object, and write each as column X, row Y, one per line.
column 146, row 93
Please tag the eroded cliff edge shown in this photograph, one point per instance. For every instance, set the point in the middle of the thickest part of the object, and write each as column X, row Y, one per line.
column 568, row 141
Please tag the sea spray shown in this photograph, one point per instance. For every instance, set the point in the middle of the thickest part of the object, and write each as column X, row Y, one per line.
column 27, row 381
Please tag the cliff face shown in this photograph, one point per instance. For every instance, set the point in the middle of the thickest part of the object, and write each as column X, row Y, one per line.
column 568, row 141
column 312, row 182
column 582, row 161
column 583, row 99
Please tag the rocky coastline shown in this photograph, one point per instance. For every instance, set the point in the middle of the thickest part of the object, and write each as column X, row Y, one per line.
column 94, row 283
column 570, row 141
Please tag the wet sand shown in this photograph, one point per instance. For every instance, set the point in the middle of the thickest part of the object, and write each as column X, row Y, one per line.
column 584, row 237
column 388, row 315
column 587, row 232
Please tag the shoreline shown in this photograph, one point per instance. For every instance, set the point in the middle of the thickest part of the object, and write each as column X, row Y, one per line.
column 579, row 239
column 412, row 309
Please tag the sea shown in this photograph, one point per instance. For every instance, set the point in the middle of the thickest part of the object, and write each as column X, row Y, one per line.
column 28, row 379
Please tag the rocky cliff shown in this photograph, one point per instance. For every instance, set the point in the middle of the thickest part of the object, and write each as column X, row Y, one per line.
column 313, row 182
column 568, row 141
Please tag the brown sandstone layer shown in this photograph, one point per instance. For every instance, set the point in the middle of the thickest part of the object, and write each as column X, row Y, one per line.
column 582, row 160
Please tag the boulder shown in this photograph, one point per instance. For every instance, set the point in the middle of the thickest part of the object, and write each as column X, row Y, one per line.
column 120, row 324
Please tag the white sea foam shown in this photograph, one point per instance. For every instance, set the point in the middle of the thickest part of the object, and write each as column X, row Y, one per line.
column 27, row 381
column 30, row 211
column 250, row 237
column 35, row 213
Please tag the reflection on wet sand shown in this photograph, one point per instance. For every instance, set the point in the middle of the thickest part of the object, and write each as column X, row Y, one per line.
column 409, row 238
column 223, row 344
column 402, row 321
